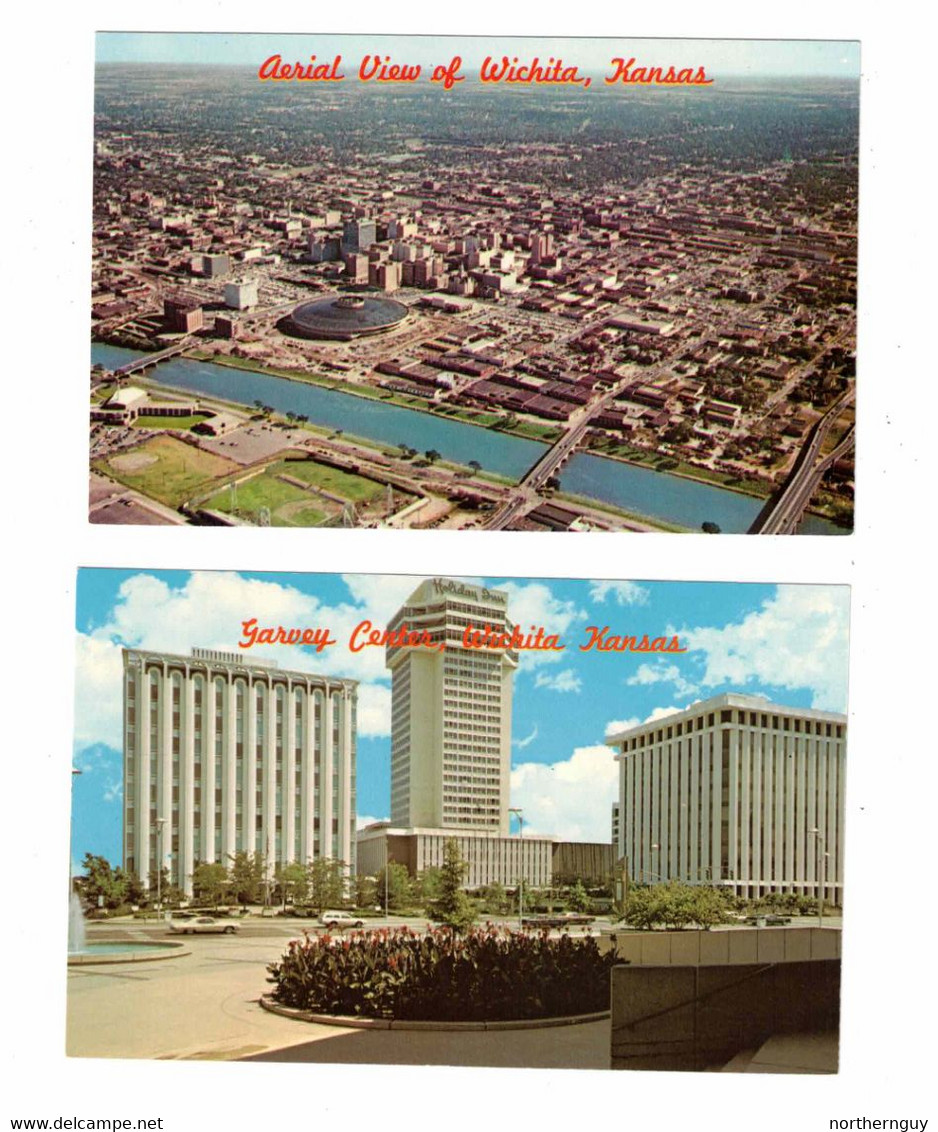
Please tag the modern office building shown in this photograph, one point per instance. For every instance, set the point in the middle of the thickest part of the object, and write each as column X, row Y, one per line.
column 214, row 266
column 222, row 755
column 450, row 709
column 735, row 791
column 183, row 313
column 241, row 296
column 358, row 235
column 539, row 861
column 491, row 859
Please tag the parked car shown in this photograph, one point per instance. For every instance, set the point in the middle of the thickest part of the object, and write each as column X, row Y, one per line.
column 205, row 924
column 340, row 920
column 559, row 920
column 767, row 919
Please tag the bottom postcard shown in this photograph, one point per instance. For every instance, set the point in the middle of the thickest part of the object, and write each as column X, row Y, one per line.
column 520, row 822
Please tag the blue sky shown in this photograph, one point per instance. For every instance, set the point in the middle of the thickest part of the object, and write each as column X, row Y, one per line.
column 789, row 643
column 720, row 56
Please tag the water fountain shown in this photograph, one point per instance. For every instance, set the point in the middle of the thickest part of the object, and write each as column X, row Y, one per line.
column 81, row 952
column 76, row 925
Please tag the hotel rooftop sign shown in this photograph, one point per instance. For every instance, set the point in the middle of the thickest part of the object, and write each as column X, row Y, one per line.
column 446, row 586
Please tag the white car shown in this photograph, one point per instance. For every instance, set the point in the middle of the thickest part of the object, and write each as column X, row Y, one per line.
column 340, row 920
column 205, row 924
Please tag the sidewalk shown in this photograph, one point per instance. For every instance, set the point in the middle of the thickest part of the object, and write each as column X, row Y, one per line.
column 560, row 1047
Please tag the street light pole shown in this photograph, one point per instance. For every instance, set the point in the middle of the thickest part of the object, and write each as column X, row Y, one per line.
column 519, row 814
column 387, row 918
column 819, row 842
column 160, row 822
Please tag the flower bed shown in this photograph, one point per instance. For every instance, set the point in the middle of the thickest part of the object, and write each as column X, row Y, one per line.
column 488, row 974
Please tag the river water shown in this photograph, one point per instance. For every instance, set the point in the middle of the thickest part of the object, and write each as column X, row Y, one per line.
column 641, row 491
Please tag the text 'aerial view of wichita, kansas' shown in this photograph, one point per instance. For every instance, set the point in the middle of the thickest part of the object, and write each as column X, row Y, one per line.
column 478, row 284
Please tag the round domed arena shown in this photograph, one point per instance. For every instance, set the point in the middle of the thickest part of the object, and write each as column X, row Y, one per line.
column 344, row 317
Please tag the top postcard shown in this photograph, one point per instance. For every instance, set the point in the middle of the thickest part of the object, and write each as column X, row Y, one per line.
column 470, row 283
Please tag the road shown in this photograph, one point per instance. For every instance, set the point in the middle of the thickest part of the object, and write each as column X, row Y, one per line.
column 525, row 494
column 786, row 513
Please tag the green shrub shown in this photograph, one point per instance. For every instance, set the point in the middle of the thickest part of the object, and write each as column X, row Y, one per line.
column 484, row 974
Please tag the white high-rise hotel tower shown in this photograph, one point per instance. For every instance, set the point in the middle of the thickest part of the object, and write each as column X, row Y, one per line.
column 223, row 756
column 451, row 711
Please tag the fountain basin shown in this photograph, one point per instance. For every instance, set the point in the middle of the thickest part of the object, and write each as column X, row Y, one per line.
column 135, row 951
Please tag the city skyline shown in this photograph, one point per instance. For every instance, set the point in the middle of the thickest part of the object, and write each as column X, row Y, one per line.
column 788, row 643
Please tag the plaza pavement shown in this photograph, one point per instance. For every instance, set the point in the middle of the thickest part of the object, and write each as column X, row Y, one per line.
column 204, row 1006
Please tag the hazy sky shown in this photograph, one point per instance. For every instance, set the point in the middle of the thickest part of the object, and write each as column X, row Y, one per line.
column 720, row 57
column 788, row 643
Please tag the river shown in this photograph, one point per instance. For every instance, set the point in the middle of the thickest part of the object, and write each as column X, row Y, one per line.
column 641, row 491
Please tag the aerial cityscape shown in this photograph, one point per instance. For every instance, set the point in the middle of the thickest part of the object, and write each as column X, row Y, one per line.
column 376, row 763
column 525, row 307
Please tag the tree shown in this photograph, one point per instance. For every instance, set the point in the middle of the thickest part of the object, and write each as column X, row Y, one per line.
column 399, row 886
column 495, row 899
column 432, row 455
column 102, row 886
column 209, row 883
column 474, row 466
column 675, row 905
column 134, row 893
column 325, row 879
column 291, row 882
column 710, row 528
column 167, row 892
column 428, row 885
column 366, row 892
column 453, row 907
column 578, row 898
column 246, row 876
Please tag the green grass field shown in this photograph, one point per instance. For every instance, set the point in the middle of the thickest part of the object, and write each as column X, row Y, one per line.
column 356, row 489
column 166, row 468
column 144, row 421
column 289, row 506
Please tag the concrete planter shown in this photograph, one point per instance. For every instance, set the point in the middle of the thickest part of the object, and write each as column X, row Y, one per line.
column 356, row 1023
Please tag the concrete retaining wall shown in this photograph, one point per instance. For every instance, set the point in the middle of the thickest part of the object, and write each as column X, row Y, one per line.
column 700, row 1017
column 693, row 1000
column 714, row 948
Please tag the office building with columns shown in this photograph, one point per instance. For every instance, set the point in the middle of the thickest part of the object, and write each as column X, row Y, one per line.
column 451, row 709
column 222, row 755
column 735, row 791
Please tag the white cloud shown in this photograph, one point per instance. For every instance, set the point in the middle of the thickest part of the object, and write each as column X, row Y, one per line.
column 384, row 594
column 623, row 593
column 798, row 639
column 565, row 681
column 207, row 611
column 361, row 820
column 614, row 726
column 663, row 674
column 571, row 799
column 534, row 604
column 374, row 710
column 98, row 670
column 526, row 741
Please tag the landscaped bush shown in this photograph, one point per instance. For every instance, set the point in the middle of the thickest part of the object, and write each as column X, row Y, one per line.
column 486, row 974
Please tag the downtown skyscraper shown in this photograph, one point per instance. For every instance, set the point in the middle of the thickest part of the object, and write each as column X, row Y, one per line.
column 222, row 756
column 451, row 710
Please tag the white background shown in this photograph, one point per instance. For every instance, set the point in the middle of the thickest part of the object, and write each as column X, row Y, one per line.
column 886, row 1063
